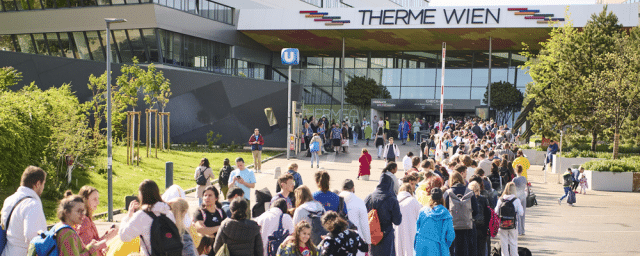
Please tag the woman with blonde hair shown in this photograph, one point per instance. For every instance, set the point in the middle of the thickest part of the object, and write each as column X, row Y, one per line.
column 179, row 208
column 509, row 233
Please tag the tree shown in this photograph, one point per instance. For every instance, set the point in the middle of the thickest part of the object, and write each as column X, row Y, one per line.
column 9, row 76
column 620, row 97
column 563, row 93
column 360, row 90
column 505, row 99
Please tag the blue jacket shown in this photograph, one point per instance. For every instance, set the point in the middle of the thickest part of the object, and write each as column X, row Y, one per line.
column 403, row 129
column 434, row 231
column 553, row 148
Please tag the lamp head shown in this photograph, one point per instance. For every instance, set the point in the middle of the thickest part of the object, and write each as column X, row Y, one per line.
column 115, row 20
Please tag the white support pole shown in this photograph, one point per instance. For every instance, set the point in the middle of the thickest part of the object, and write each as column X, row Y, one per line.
column 440, row 151
column 289, row 114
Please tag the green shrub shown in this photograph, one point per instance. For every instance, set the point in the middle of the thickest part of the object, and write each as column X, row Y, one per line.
column 628, row 164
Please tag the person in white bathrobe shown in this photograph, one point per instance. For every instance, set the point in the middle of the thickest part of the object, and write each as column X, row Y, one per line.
column 356, row 211
column 406, row 231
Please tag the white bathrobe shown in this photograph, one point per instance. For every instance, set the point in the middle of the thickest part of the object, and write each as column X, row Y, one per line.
column 406, row 231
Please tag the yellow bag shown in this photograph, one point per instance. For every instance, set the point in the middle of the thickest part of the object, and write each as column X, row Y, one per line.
column 224, row 251
column 194, row 235
column 119, row 248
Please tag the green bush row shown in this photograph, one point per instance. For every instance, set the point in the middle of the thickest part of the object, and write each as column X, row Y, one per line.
column 628, row 164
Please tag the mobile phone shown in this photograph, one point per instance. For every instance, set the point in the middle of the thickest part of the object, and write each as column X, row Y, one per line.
column 238, row 177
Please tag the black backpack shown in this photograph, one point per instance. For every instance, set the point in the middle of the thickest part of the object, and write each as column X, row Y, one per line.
column 201, row 180
column 508, row 214
column 165, row 237
column 225, row 173
column 276, row 238
column 317, row 230
column 478, row 220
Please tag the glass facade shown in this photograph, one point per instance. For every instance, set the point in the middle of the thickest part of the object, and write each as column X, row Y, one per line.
column 148, row 45
column 205, row 8
column 408, row 75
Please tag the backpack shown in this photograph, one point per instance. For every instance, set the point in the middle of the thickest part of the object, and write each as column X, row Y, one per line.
column 460, row 208
column 225, row 173
column 478, row 220
column 497, row 251
column 314, row 147
column 201, row 180
column 494, row 223
column 276, row 238
column 4, row 227
column 165, row 237
column 571, row 198
column 317, row 230
column 508, row 214
column 344, row 215
column 374, row 227
column 45, row 243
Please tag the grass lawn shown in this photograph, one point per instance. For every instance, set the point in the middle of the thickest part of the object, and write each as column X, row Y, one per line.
column 126, row 178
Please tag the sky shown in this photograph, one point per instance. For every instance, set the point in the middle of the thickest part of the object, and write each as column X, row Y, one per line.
column 507, row 2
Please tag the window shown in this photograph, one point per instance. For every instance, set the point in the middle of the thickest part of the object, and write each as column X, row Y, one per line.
column 66, row 45
column 6, row 43
column 138, row 48
column 81, row 45
column 25, row 43
column 123, row 46
column 95, row 46
column 9, row 5
column 41, row 44
column 152, row 44
column 54, row 45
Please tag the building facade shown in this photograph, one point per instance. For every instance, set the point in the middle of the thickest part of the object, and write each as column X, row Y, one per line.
column 223, row 57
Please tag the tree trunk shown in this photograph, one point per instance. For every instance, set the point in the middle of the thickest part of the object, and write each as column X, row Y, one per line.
column 616, row 142
column 594, row 140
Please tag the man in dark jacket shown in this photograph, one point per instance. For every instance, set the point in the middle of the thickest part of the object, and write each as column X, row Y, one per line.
column 384, row 200
column 477, row 130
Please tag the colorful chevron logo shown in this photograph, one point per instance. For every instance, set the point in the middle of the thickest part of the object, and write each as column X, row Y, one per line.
column 324, row 17
column 534, row 15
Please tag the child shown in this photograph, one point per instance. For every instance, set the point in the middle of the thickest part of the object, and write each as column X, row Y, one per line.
column 299, row 243
column 205, row 246
column 568, row 180
column 340, row 241
column 583, row 182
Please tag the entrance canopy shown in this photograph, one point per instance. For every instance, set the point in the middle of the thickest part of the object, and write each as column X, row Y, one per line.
column 462, row 28
column 425, row 105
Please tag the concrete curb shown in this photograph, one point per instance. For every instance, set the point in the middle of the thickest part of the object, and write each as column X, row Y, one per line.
column 186, row 191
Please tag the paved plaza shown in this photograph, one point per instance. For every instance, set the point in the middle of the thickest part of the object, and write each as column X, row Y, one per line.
column 600, row 223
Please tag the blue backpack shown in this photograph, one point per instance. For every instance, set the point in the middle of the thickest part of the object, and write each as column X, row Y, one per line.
column 3, row 228
column 315, row 147
column 45, row 243
column 276, row 238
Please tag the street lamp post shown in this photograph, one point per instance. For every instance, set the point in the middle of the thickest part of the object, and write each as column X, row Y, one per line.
column 109, row 145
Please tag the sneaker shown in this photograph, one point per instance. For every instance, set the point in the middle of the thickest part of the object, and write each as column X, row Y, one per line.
column 571, row 205
column 559, row 201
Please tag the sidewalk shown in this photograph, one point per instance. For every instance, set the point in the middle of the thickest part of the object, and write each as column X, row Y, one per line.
column 601, row 223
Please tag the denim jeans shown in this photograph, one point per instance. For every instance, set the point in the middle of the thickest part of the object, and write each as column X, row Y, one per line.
column 380, row 151
column 566, row 192
column 315, row 155
column 355, row 138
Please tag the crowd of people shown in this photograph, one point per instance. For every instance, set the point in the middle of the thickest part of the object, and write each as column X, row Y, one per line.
column 445, row 207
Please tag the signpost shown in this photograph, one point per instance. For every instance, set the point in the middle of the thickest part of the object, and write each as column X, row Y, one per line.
column 439, row 150
column 290, row 57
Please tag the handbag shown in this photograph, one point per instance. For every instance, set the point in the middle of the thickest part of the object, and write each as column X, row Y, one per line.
column 223, row 251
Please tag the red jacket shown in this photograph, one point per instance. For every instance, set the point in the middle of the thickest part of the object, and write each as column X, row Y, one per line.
column 365, row 164
column 260, row 142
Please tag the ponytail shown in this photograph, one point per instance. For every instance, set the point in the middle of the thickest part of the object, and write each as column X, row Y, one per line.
column 390, row 167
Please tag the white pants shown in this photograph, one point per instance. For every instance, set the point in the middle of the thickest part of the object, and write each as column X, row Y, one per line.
column 509, row 241
column 379, row 151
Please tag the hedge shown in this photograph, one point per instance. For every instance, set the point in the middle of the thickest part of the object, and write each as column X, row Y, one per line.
column 628, row 164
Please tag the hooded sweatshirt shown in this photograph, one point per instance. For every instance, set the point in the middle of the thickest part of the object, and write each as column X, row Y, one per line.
column 384, row 200
column 434, row 232
column 241, row 236
column 302, row 212
column 405, row 232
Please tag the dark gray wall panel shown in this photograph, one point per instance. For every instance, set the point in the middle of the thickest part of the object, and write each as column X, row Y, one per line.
column 201, row 101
